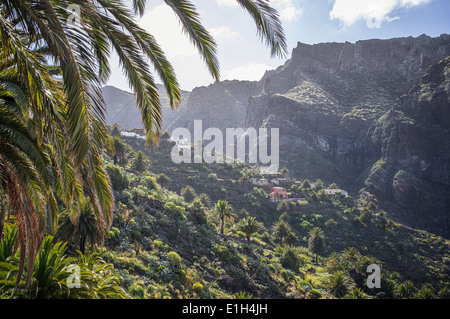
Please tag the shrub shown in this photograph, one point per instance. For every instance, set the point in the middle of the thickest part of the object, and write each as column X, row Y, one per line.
column 223, row 251
column 137, row 291
column 290, row 259
column 174, row 259
column 175, row 210
column 115, row 175
column 198, row 287
column 151, row 183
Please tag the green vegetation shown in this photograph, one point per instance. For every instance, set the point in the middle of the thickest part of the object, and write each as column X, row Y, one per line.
column 52, row 113
column 86, row 216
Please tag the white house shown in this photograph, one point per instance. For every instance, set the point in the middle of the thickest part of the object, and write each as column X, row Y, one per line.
column 336, row 192
column 259, row 182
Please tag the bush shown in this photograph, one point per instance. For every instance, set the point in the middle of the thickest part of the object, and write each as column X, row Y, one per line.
column 175, row 210
column 223, row 251
column 198, row 287
column 174, row 259
column 290, row 259
column 115, row 175
column 137, row 291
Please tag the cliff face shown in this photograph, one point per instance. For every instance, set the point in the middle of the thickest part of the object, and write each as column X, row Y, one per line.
column 347, row 114
column 415, row 142
column 122, row 109
column 219, row 105
column 339, row 119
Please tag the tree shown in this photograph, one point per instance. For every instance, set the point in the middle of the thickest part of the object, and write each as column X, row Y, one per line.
column 322, row 196
column 27, row 173
column 115, row 130
column 119, row 150
column 249, row 225
column 318, row 185
column 339, row 284
column 333, row 186
column 283, row 207
column 291, row 258
column 140, row 163
column 316, row 241
column 62, row 64
column 223, row 210
column 163, row 180
column 188, row 193
column 356, row 293
column 281, row 231
column 115, row 175
column 204, row 199
column 330, row 224
column 80, row 225
column 165, row 136
column 284, row 171
column 306, row 184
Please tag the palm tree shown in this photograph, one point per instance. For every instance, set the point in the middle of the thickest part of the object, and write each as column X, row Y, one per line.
column 50, row 272
column 119, row 150
column 83, row 50
column 316, row 241
column 61, row 67
column 80, row 225
column 249, row 225
column 223, row 210
column 188, row 193
column 281, row 230
column 356, row 293
column 204, row 199
column 26, row 172
column 339, row 284
column 98, row 278
column 140, row 162
column 163, row 180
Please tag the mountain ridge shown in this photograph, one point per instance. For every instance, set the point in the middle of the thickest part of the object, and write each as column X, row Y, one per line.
column 327, row 100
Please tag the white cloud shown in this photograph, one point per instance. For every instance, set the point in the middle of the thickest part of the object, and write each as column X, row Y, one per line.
column 248, row 72
column 163, row 24
column 287, row 10
column 224, row 34
column 373, row 11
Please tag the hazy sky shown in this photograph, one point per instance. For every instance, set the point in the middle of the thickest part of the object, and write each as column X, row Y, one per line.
column 242, row 55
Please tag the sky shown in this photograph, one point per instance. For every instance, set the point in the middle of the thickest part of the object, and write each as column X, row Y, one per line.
column 243, row 56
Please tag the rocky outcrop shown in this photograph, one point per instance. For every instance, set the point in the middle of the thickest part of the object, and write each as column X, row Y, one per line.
column 333, row 93
column 220, row 105
column 121, row 108
column 346, row 114
column 415, row 142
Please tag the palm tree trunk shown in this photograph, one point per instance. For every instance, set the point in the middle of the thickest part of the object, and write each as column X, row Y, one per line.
column 82, row 244
column 221, row 227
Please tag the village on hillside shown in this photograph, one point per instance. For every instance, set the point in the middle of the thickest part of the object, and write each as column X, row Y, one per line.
column 278, row 185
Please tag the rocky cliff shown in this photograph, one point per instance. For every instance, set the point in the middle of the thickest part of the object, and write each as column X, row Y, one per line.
column 337, row 108
column 414, row 138
column 220, row 105
column 347, row 114
column 122, row 109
